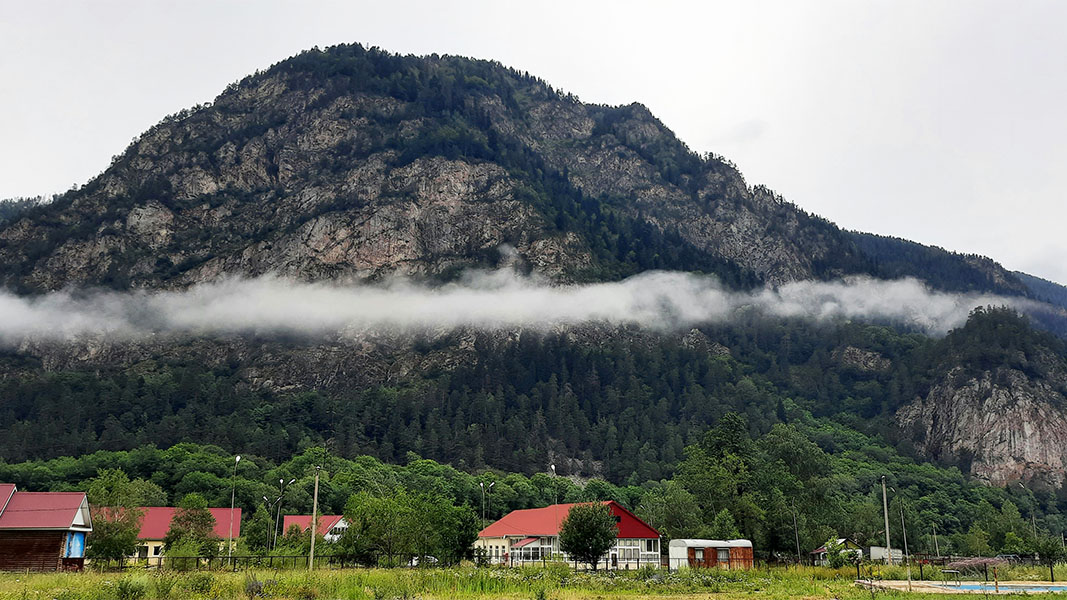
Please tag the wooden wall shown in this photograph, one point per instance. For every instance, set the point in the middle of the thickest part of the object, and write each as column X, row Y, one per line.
column 740, row 558
column 31, row 550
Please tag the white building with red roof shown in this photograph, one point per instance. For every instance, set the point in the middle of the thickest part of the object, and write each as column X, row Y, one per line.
column 531, row 536
column 42, row 531
column 331, row 527
column 156, row 522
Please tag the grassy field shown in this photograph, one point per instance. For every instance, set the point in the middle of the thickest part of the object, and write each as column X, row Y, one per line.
column 550, row 583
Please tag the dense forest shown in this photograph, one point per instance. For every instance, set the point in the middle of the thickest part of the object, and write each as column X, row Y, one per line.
column 728, row 483
column 619, row 405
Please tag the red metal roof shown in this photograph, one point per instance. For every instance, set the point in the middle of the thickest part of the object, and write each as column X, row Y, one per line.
column 326, row 522
column 524, row 542
column 546, row 522
column 157, row 520
column 38, row 510
column 6, row 489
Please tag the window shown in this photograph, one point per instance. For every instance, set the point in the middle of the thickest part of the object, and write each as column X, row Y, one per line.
column 650, row 545
column 724, row 555
column 155, row 551
column 700, row 554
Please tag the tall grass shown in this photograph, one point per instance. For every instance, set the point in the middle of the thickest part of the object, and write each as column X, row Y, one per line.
column 553, row 582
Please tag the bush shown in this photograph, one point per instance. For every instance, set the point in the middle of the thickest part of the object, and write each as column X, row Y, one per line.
column 183, row 556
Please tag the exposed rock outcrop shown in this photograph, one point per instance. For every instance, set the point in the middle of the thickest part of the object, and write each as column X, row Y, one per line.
column 1002, row 425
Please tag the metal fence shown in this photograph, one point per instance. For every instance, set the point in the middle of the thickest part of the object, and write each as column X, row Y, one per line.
column 232, row 563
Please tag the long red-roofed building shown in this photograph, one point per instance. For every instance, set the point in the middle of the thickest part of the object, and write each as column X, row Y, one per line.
column 532, row 536
column 42, row 531
column 156, row 523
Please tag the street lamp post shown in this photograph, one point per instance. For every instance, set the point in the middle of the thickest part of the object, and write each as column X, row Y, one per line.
column 555, row 488
column 233, row 494
column 270, row 509
column 281, row 494
column 1033, row 519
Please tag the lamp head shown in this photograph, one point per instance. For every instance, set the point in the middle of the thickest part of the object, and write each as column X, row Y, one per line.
column 491, row 485
column 238, row 459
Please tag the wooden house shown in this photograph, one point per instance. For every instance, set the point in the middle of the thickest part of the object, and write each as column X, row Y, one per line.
column 42, row 531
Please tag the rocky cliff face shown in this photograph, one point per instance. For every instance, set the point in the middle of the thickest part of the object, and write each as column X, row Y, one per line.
column 287, row 173
column 1004, row 425
column 998, row 405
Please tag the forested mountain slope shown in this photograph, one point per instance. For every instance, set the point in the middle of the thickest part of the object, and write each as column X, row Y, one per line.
column 355, row 165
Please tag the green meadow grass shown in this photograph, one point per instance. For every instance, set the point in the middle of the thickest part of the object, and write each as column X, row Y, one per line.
column 554, row 582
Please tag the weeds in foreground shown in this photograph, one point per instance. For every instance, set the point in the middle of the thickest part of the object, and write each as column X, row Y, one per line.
column 552, row 582
column 129, row 588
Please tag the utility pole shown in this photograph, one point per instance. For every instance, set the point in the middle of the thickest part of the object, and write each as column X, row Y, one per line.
column 233, row 495
column 936, row 547
column 904, row 530
column 885, row 512
column 315, row 505
column 796, row 532
column 314, row 520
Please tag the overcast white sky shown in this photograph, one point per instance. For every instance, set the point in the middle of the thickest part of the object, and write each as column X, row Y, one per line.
column 942, row 122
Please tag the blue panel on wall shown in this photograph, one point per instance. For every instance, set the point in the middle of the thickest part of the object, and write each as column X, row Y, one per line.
column 75, row 545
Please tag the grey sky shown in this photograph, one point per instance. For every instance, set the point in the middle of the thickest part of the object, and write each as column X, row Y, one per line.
column 942, row 122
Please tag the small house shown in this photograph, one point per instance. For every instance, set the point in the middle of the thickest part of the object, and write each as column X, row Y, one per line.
column 42, row 531
column 820, row 555
column 531, row 536
column 331, row 527
column 722, row 554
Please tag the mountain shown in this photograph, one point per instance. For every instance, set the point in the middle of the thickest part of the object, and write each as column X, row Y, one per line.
column 355, row 165
column 1044, row 290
